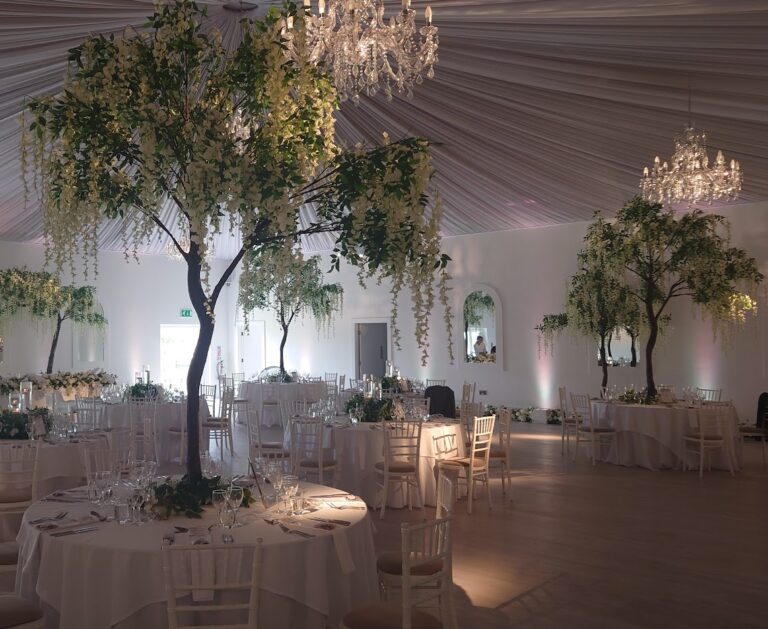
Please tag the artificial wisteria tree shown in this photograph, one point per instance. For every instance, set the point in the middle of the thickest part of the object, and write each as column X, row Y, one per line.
column 167, row 131
column 40, row 295
column 289, row 288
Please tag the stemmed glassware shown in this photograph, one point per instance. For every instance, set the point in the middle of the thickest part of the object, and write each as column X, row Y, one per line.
column 219, row 500
column 290, row 486
column 233, row 501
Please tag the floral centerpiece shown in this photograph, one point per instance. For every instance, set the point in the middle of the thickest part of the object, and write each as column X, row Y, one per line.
column 21, row 425
column 369, row 409
column 142, row 391
column 185, row 497
column 65, row 381
column 630, row 396
column 554, row 416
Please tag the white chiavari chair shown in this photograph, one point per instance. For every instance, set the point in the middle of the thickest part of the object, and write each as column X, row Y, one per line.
column 208, row 393
column 587, row 428
column 474, row 467
column 467, row 413
column 426, row 581
column 18, row 475
column 435, row 383
column 709, row 395
column 468, row 392
column 501, row 454
column 342, row 379
column 257, row 447
column 569, row 424
column 709, row 432
column 270, row 399
column 220, row 428
column 143, row 413
column 308, row 457
column 402, row 443
column 181, row 563
column 89, row 412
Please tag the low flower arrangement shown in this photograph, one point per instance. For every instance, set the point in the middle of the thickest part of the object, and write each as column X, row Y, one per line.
column 630, row 396
column 554, row 416
column 19, row 425
column 142, row 391
column 524, row 415
column 61, row 380
column 482, row 358
column 370, row 409
column 186, row 498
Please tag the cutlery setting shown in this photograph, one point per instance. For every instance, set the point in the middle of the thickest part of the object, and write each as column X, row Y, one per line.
column 85, row 529
column 52, row 518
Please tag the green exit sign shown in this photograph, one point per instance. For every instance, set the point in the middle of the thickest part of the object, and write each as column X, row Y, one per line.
column 186, row 312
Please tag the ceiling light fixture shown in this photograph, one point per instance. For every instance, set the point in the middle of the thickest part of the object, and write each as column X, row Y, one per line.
column 690, row 178
column 363, row 52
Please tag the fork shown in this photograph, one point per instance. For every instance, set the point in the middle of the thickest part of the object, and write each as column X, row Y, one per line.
column 58, row 516
column 285, row 529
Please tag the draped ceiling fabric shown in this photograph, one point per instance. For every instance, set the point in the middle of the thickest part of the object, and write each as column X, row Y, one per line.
column 541, row 111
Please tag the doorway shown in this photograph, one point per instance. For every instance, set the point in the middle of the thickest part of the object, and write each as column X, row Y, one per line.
column 250, row 349
column 177, row 342
column 371, row 349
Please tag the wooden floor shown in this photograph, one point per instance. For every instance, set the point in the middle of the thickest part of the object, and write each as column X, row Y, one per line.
column 574, row 545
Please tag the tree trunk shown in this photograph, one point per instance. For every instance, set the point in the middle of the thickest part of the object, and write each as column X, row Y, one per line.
column 653, row 327
column 282, row 347
column 603, row 362
column 633, row 349
column 610, row 340
column 196, row 367
column 54, row 343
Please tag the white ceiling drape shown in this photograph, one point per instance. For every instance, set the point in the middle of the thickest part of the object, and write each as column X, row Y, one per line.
column 541, row 112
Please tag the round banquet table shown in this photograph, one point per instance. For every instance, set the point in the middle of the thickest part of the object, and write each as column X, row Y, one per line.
column 651, row 435
column 113, row 576
column 286, row 392
column 360, row 446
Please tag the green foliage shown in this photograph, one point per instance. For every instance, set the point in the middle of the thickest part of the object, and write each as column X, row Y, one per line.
column 369, row 409
column 554, row 416
column 550, row 325
column 476, row 303
column 630, row 396
column 141, row 391
column 390, row 383
column 17, row 425
column 188, row 497
column 522, row 414
column 41, row 295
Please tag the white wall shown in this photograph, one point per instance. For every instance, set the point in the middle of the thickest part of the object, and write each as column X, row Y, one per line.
column 529, row 269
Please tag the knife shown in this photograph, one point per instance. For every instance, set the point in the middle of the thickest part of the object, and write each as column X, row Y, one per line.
column 332, row 521
column 86, row 529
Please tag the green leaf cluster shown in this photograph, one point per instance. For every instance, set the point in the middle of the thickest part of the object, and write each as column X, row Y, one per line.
column 370, row 409
column 188, row 497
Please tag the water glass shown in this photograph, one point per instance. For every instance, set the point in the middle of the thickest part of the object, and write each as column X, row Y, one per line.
column 135, row 503
column 122, row 512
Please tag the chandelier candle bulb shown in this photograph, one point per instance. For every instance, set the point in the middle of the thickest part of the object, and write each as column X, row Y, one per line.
column 321, row 7
column 428, row 15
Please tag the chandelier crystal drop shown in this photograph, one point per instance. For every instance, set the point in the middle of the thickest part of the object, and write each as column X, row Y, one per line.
column 363, row 52
column 173, row 253
column 690, row 178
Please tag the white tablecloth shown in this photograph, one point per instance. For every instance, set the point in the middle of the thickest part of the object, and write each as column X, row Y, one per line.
column 289, row 392
column 167, row 414
column 113, row 577
column 360, row 447
column 651, row 436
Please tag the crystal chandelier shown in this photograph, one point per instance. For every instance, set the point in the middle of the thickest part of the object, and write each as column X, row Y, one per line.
column 690, row 178
column 362, row 51
column 173, row 253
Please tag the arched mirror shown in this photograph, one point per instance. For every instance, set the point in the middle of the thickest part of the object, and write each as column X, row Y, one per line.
column 481, row 328
column 620, row 349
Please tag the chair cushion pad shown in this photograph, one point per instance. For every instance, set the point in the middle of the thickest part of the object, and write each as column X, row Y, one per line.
column 597, row 429
column 15, row 611
column 398, row 467
column 387, row 616
column 696, row 437
column 9, row 553
column 15, row 494
column 314, row 463
column 391, row 563
column 464, row 462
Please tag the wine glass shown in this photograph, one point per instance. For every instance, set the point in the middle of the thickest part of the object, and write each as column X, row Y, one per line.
column 136, row 502
column 234, row 500
column 219, row 500
column 290, row 487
